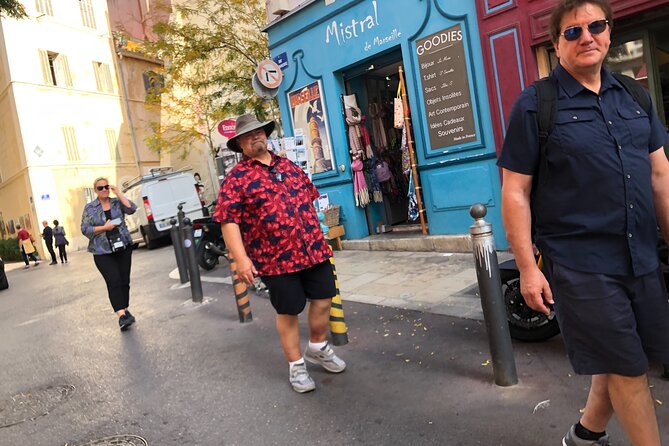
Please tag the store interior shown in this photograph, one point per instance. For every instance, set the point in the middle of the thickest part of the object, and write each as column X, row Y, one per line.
column 373, row 87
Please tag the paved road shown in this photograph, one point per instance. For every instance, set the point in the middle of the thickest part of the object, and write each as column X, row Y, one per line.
column 190, row 374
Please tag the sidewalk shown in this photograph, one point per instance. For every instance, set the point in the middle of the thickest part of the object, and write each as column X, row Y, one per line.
column 433, row 282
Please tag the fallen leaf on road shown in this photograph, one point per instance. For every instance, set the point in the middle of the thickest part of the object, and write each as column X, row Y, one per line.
column 486, row 363
column 541, row 405
column 659, row 402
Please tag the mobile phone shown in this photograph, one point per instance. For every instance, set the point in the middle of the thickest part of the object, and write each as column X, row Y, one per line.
column 116, row 221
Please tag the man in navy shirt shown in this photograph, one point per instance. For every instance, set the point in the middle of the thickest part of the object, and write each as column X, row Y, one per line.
column 602, row 189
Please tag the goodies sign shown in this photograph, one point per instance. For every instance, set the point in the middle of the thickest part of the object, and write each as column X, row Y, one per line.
column 227, row 128
column 445, row 88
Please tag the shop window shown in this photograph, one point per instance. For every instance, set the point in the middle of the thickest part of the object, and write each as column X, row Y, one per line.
column 55, row 69
column 89, row 194
column 43, row 7
column 87, row 15
column 103, row 80
column 628, row 58
column 71, row 146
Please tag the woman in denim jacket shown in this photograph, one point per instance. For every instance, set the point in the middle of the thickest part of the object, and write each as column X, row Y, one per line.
column 103, row 222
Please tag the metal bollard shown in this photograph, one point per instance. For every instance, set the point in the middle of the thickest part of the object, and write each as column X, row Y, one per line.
column 193, row 269
column 241, row 293
column 178, row 251
column 338, row 328
column 492, row 301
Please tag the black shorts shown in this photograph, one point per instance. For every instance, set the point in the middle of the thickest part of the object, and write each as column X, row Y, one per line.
column 289, row 292
column 610, row 324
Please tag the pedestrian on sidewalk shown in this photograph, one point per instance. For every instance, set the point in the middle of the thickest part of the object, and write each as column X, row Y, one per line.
column 61, row 241
column 103, row 223
column 265, row 207
column 26, row 246
column 593, row 197
column 47, row 236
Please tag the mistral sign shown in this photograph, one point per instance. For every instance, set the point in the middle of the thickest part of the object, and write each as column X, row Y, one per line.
column 364, row 30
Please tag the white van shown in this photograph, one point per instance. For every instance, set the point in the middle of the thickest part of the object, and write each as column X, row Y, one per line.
column 157, row 195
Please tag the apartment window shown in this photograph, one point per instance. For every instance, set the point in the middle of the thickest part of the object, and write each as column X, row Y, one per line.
column 71, row 143
column 87, row 16
column 153, row 82
column 55, row 69
column 89, row 194
column 112, row 143
column 44, row 7
column 103, row 79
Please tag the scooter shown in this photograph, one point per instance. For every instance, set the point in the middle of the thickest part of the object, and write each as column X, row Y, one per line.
column 208, row 241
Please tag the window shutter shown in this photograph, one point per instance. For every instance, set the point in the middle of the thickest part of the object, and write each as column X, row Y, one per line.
column 106, row 76
column 71, row 143
column 64, row 70
column 46, row 70
column 96, row 72
column 112, row 142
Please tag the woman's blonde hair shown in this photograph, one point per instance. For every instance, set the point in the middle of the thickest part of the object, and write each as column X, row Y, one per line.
column 99, row 179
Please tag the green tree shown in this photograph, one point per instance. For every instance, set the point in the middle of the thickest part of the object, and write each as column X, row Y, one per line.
column 211, row 49
column 12, row 8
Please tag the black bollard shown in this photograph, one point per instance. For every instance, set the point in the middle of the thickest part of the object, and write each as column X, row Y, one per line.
column 178, row 251
column 492, row 301
column 665, row 375
column 193, row 269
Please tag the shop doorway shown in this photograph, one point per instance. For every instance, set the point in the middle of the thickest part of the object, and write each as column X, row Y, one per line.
column 373, row 86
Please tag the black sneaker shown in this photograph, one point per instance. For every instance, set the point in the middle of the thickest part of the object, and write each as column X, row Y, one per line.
column 130, row 316
column 125, row 321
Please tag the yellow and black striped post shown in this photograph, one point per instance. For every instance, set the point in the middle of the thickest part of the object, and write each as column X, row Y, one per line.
column 241, row 294
column 338, row 328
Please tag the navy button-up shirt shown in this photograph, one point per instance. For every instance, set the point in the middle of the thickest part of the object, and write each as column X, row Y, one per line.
column 594, row 208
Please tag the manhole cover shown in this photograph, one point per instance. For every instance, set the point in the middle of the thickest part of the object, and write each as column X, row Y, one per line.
column 33, row 404
column 119, row 440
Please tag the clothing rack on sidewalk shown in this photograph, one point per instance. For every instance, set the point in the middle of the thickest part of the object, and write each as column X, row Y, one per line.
column 416, row 178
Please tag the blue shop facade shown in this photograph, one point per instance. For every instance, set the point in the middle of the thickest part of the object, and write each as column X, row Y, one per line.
column 346, row 56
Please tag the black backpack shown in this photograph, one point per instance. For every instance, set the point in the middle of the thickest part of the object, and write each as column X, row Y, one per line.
column 547, row 107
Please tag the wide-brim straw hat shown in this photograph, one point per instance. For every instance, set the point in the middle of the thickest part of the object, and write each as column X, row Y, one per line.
column 248, row 123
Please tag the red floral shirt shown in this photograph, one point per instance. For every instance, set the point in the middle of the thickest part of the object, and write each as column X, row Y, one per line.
column 273, row 206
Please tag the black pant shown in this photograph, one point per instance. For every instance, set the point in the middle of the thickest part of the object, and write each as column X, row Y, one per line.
column 62, row 252
column 115, row 268
column 49, row 246
column 25, row 256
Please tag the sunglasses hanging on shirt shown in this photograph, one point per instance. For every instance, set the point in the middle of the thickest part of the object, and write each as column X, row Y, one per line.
column 277, row 175
column 574, row 32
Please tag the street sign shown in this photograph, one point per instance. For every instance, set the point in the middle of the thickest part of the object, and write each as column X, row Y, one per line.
column 269, row 73
column 281, row 60
column 227, row 128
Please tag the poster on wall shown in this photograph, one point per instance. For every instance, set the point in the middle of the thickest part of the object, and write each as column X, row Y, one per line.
column 309, row 120
column 445, row 88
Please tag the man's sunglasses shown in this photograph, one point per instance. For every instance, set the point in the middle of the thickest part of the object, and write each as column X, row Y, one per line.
column 105, row 187
column 574, row 32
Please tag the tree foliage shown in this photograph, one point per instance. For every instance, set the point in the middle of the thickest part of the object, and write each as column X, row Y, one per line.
column 12, row 8
column 211, row 49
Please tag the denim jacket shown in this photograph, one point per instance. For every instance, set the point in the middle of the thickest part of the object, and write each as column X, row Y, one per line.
column 94, row 216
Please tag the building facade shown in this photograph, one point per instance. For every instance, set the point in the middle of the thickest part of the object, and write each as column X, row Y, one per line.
column 345, row 55
column 465, row 63
column 63, row 116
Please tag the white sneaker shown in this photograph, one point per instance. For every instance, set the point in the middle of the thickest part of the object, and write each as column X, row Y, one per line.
column 36, row 262
column 300, row 379
column 326, row 358
column 26, row 267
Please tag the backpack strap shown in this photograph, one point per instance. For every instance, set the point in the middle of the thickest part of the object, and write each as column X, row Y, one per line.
column 546, row 90
column 636, row 90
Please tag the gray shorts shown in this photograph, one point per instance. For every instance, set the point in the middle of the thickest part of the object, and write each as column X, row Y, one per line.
column 610, row 324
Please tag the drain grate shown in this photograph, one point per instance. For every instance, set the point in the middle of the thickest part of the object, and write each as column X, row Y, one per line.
column 31, row 405
column 119, row 440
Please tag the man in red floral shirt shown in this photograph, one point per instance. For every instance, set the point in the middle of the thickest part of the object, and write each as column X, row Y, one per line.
column 265, row 207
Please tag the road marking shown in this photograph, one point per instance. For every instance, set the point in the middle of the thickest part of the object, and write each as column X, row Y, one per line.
column 174, row 274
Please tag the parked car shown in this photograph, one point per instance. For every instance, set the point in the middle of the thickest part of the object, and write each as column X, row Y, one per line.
column 4, row 283
column 157, row 195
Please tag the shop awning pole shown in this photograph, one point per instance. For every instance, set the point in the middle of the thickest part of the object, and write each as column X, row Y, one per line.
column 416, row 178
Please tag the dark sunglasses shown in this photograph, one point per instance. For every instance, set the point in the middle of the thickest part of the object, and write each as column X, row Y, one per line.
column 574, row 32
column 105, row 187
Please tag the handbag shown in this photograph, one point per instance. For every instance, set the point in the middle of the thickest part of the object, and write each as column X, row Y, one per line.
column 398, row 120
column 27, row 246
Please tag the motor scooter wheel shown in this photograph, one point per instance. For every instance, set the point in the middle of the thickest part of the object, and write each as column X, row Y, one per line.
column 205, row 258
column 525, row 324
